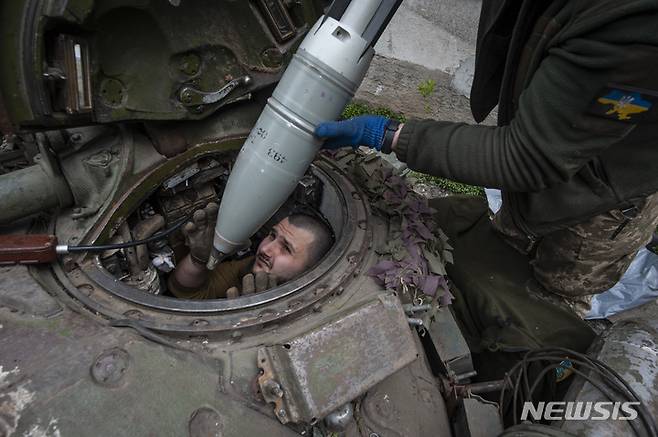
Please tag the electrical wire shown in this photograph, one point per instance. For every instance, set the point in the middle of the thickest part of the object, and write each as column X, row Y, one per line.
column 154, row 237
column 608, row 380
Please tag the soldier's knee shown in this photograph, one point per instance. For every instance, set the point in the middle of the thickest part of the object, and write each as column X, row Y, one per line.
column 575, row 284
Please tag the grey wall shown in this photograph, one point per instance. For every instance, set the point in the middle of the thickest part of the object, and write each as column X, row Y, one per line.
column 435, row 34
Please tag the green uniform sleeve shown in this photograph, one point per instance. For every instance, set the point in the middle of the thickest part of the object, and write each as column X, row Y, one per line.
column 226, row 275
column 552, row 135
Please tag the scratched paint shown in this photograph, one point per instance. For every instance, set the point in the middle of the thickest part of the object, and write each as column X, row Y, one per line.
column 14, row 401
column 49, row 431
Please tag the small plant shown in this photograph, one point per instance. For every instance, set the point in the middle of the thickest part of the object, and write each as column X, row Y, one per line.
column 448, row 185
column 426, row 88
column 356, row 109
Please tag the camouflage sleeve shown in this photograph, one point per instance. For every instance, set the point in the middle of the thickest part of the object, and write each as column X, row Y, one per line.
column 567, row 115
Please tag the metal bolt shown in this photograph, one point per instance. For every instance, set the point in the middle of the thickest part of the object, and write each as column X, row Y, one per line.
column 281, row 413
column 133, row 314
column 110, row 367
column 338, row 420
column 68, row 263
column 317, row 308
column 76, row 137
column 236, row 335
column 275, row 389
column 86, row 289
column 206, row 422
column 414, row 322
column 200, row 322
column 272, row 57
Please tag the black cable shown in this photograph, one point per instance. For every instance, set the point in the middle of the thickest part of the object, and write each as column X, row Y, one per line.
column 596, row 384
column 154, row 237
column 620, row 382
column 516, row 379
column 522, row 368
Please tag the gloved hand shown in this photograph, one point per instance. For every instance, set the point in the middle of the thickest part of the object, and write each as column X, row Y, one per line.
column 364, row 130
column 199, row 233
column 250, row 284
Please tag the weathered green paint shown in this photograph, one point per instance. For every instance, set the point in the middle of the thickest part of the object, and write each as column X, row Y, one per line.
column 157, row 393
column 13, row 91
column 151, row 47
column 189, row 63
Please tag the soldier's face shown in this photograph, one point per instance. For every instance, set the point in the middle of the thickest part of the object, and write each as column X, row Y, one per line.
column 284, row 253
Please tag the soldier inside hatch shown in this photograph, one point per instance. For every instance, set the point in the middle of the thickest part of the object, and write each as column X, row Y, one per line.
column 574, row 152
column 293, row 245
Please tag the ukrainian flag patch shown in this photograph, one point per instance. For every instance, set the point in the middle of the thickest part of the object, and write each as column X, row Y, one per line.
column 631, row 105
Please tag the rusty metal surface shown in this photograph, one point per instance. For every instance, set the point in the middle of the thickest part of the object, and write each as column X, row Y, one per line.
column 331, row 365
column 27, row 248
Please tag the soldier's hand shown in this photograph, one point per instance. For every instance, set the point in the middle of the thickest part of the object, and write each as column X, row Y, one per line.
column 199, row 233
column 364, row 130
column 251, row 284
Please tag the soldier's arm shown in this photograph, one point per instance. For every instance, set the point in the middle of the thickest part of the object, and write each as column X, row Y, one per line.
column 190, row 274
column 189, row 280
column 552, row 135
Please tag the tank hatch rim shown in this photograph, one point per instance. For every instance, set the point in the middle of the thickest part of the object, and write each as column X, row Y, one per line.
column 95, row 288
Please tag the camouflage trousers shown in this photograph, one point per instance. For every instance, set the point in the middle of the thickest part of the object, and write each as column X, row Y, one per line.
column 588, row 258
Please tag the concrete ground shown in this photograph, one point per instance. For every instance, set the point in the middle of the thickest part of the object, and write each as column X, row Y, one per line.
column 393, row 83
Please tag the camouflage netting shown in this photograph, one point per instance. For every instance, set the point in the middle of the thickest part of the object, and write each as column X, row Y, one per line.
column 415, row 253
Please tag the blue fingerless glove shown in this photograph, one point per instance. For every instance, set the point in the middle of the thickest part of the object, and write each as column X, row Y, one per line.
column 364, row 130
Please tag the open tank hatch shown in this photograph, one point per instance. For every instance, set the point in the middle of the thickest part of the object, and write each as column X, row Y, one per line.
column 118, row 289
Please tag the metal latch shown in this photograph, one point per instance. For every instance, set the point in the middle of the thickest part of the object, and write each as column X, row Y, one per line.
column 190, row 96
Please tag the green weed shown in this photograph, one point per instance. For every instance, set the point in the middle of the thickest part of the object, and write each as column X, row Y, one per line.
column 356, row 109
column 426, row 88
column 448, row 185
